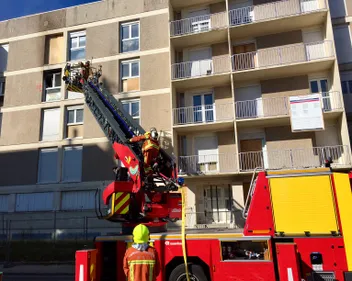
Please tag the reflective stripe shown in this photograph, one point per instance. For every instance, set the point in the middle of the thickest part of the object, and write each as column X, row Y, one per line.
column 150, row 144
column 151, row 264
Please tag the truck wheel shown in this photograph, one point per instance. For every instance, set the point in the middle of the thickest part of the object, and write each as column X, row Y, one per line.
column 195, row 271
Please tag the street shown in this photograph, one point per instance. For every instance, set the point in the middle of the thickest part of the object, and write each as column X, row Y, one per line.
column 38, row 278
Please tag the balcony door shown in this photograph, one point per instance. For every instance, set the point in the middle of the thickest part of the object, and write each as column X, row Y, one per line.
column 217, row 204
column 249, row 103
column 309, row 5
column 203, row 108
column 206, row 148
column 321, row 86
column 199, row 20
column 200, row 61
column 314, row 42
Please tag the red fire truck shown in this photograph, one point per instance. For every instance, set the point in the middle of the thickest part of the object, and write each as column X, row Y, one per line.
column 298, row 222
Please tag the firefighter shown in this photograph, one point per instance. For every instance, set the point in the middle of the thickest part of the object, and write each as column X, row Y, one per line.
column 141, row 261
column 150, row 149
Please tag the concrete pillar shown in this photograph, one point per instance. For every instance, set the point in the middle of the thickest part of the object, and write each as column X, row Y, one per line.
column 238, row 200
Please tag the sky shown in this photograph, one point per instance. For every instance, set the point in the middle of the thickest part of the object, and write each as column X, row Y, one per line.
column 18, row 8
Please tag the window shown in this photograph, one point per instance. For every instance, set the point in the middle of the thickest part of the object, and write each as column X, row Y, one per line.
column 343, row 43
column 2, row 88
column 51, row 124
column 130, row 75
column 132, row 107
column 346, row 87
column 129, row 37
column 72, row 164
column 52, row 86
column 77, row 45
column 4, row 50
column 29, row 202
column 48, row 165
column 4, row 203
column 203, row 108
column 75, row 115
column 78, row 200
column 54, row 49
column 74, row 122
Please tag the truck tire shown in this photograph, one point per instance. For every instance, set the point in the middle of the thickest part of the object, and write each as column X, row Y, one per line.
column 196, row 273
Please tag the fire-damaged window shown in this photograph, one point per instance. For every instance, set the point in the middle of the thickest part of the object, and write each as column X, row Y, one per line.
column 54, row 49
column 52, row 86
column 130, row 75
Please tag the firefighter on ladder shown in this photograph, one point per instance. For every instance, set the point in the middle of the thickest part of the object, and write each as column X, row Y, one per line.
column 150, row 150
column 141, row 261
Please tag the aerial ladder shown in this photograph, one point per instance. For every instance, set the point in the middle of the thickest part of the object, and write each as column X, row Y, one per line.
column 131, row 198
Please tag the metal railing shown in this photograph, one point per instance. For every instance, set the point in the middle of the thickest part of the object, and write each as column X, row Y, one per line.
column 209, row 113
column 283, row 55
column 191, row 69
column 295, row 158
column 212, row 219
column 274, row 10
column 262, row 107
column 198, row 24
column 208, row 164
column 279, row 106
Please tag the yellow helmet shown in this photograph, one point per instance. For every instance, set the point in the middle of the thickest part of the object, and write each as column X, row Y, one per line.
column 140, row 234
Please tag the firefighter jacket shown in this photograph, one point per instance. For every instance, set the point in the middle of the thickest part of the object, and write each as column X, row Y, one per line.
column 141, row 265
column 150, row 146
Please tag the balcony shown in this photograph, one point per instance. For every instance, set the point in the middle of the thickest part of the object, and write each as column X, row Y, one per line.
column 298, row 158
column 214, row 116
column 278, row 107
column 285, row 60
column 212, row 72
column 204, row 29
column 276, row 17
column 212, row 164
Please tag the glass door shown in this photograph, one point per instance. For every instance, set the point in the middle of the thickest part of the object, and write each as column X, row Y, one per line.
column 203, row 108
column 321, row 86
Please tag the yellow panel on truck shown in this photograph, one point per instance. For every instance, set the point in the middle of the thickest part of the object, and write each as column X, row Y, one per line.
column 302, row 203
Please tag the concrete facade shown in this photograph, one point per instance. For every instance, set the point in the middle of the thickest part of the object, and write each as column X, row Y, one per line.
column 219, row 97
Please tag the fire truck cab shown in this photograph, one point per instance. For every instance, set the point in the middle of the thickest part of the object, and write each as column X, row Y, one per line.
column 298, row 227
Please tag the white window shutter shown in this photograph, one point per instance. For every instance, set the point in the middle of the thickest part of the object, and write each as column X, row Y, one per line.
column 47, row 170
column 72, row 164
column 51, row 124
column 4, row 50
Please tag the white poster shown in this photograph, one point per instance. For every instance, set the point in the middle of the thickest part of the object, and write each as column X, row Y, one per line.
column 306, row 113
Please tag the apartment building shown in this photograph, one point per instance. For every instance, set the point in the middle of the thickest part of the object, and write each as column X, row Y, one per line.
column 341, row 14
column 232, row 86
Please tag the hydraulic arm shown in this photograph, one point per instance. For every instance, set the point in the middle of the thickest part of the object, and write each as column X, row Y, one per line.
column 131, row 197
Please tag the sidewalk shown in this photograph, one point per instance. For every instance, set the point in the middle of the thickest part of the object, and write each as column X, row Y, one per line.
column 60, row 269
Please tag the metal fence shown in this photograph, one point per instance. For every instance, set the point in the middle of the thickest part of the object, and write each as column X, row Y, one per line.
column 198, row 68
column 208, row 113
column 283, row 55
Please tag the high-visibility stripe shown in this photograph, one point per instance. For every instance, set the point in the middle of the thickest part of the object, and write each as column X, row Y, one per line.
column 118, row 195
column 121, row 200
column 124, row 211
column 151, row 273
column 123, row 207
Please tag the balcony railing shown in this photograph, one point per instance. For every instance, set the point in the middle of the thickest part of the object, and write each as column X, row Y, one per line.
column 262, row 107
column 294, row 158
column 279, row 106
column 211, row 218
column 191, row 69
column 274, row 10
column 209, row 113
column 283, row 55
column 208, row 164
column 198, row 24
